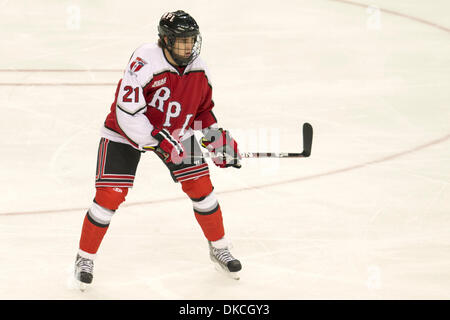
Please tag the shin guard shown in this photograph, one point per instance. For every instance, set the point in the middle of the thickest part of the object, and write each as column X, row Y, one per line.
column 206, row 207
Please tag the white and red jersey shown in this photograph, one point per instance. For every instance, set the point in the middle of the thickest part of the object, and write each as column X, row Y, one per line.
column 155, row 94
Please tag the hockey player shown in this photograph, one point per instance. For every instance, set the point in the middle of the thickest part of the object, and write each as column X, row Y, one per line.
column 164, row 94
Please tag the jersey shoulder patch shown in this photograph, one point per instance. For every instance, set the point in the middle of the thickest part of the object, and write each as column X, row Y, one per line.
column 140, row 64
column 137, row 64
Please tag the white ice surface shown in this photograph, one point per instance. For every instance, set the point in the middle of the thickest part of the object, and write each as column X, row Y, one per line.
column 365, row 217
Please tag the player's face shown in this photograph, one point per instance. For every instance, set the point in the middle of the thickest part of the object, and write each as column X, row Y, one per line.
column 183, row 46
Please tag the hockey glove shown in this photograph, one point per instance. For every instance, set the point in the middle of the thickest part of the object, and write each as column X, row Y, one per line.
column 168, row 148
column 223, row 146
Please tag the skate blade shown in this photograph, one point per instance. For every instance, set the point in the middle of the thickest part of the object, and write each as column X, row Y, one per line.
column 73, row 283
column 220, row 269
column 234, row 275
column 81, row 285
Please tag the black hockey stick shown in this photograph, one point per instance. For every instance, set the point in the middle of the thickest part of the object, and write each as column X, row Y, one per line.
column 307, row 144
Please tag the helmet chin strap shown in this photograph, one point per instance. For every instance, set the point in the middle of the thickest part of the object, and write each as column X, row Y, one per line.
column 181, row 62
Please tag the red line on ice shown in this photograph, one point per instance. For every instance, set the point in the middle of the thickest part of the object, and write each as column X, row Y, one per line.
column 299, row 179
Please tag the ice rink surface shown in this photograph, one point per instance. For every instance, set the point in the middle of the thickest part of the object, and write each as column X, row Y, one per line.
column 367, row 216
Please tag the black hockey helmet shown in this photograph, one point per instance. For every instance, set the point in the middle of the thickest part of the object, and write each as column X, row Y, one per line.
column 179, row 24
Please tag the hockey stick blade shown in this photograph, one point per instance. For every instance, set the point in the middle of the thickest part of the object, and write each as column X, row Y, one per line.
column 307, row 139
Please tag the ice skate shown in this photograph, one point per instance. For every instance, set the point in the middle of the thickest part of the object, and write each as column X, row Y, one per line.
column 223, row 260
column 84, row 269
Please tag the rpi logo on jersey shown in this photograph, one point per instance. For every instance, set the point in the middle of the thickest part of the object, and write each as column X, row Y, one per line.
column 173, row 108
column 137, row 64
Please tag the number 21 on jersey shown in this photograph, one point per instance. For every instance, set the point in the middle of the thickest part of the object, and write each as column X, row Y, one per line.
column 128, row 91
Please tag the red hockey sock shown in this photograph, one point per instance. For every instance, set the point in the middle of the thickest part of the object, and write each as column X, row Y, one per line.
column 91, row 235
column 211, row 224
